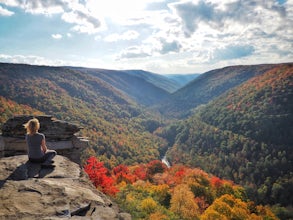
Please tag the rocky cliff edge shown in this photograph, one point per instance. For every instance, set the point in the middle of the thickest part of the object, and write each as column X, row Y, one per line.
column 29, row 191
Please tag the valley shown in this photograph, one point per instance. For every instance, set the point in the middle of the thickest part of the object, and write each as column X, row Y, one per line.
column 235, row 123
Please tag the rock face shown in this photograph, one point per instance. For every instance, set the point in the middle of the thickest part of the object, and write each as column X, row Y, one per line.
column 60, row 136
column 29, row 191
column 52, row 128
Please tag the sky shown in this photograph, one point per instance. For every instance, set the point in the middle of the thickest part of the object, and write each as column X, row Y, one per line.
column 160, row 36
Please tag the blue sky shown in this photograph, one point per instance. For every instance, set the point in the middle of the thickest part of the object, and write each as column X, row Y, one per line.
column 170, row 36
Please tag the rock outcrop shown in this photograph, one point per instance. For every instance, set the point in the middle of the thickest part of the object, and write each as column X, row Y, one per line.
column 52, row 128
column 60, row 136
column 29, row 191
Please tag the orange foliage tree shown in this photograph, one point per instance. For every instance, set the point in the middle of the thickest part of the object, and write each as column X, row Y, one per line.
column 183, row 203
column 122, row 173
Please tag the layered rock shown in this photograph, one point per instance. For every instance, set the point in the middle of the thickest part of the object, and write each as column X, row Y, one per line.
column 28, row 191
column 60, row 136
column 52, row 128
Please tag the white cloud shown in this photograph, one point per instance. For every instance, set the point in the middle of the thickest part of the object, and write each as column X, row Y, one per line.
column 117, row 10
column 39, row 60
column 168, row 47
column 57, row 36
column 231, row 30
column 38, row 6
column 98, row 37
column 71, row 12
column 161, row 44
column 12, row 3
column 5, row 12
column 230, row 52
column 44, row 7
column 84, row 22
column 30, row 59
column 170, row 34
column 128, row 35
column 134, row 52
column 219, row 14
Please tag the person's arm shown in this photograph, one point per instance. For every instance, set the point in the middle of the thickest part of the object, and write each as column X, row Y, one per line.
column 44, row 146
column 27, row 147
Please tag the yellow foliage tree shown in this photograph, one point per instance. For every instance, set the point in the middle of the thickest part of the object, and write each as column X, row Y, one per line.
column 183, row 203
column 148, row 205
column 161, row 193
column 158, row 216
column 229, row 207
column 266, row 212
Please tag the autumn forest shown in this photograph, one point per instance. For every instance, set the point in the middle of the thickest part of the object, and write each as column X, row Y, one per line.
column 227, row 135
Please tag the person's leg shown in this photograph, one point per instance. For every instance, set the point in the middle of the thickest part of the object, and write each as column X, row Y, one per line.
column 37, row 160
column 49, row 155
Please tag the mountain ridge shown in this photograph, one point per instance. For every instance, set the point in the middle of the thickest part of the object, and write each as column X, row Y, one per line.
column 143, row 87
column 182, row 79
column 208, row 86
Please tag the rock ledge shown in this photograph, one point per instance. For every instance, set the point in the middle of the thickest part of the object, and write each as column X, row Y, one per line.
column 52, row 128
column 29, row 191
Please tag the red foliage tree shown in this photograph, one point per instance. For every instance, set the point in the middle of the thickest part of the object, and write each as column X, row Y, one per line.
column 216, row 182
column 98, row 174
column 122, row 173
column 180, row 173
column 141, row 172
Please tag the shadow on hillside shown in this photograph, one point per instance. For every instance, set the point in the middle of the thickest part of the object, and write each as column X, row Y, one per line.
column 28, row 170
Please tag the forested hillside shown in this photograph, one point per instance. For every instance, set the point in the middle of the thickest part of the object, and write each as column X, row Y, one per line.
column 208, row 86
column 236, row 123
column 9, row 108
column 244, row 135
column 119, row 130
column 160, row 81
column 261, row 109
column 144, row 87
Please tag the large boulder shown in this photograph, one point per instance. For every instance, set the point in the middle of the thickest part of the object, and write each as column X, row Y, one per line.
column 52, row 128
column 29, row 191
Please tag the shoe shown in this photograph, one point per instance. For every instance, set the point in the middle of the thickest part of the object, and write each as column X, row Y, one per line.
column 48, row 166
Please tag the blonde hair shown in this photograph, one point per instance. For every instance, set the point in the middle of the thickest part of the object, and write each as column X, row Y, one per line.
column 32, row 126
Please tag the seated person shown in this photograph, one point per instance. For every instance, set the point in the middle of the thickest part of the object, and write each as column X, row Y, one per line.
column 37, row 149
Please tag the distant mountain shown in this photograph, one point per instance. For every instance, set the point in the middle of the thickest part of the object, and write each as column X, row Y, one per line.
column 143, row 87
column 208, row 86
column 160, row 81
column 182, row 79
